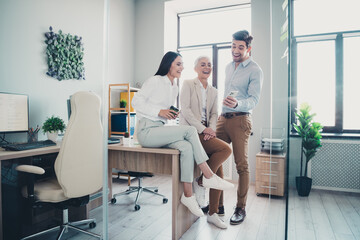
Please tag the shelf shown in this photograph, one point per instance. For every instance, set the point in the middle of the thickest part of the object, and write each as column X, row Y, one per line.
column 119, row 109
column 122, row 86
column 114, row 109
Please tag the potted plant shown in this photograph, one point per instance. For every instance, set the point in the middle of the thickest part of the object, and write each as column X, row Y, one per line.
column 123, row 104
column 310, row 133
column 52, row 126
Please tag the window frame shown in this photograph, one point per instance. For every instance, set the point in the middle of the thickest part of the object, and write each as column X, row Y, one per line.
column 338, row 37
column 215, row 46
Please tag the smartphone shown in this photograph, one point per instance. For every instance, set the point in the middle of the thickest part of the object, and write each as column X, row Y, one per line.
column 174, row 109
column 233, row 94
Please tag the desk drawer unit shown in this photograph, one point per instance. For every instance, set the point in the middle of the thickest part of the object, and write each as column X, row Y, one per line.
column 270, row 174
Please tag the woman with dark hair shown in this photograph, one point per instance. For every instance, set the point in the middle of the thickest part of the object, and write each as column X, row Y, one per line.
column 152, row 104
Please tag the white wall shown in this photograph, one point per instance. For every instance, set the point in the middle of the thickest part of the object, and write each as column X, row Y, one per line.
column 149, row 38
column 121, row 41
column 271, row 112
column 260, row 29
column 23, row 62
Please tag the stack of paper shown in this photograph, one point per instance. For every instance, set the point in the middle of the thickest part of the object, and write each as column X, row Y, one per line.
column 273, row 144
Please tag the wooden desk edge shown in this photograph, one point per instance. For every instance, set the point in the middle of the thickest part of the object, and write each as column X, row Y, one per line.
column 7, row 155
column 140, row 149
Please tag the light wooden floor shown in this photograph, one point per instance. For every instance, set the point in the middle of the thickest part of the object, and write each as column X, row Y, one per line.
column 322, row 215
column 265, row 217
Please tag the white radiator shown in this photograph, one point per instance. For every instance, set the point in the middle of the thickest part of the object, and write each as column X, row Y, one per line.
column 336, row 166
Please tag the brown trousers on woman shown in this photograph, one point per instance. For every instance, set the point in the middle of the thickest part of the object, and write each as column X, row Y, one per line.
column 218, row 151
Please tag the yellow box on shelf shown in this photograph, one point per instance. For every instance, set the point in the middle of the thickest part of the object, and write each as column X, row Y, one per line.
column 124, row 95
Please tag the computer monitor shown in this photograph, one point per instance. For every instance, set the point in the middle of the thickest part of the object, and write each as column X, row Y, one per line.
column 14, row 113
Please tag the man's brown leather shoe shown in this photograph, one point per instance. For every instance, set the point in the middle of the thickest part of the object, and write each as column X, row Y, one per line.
column 238, row 216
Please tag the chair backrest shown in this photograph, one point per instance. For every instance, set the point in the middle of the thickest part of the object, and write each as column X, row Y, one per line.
column 79, row 165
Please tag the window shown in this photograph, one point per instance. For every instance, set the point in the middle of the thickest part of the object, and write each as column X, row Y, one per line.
column 212, row 25
column 208, row 32
column 324, row 63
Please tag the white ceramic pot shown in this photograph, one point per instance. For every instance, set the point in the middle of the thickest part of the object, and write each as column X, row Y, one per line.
column 52, row 136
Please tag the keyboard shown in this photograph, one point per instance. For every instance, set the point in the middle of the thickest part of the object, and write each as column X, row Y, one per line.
column 27, row 146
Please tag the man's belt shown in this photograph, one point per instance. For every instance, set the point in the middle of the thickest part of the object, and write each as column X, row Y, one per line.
column 234, row 114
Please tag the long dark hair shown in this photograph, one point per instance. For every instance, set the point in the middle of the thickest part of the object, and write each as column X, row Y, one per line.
column 166, row 62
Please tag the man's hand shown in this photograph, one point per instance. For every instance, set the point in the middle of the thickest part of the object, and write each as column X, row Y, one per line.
column 230, row 102
column 168, row 114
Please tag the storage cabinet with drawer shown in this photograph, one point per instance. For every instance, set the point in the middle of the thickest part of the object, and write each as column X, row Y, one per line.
column 270, row 174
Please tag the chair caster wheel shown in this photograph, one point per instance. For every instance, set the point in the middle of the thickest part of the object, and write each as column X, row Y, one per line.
column 92, row 224
column 113, row 200
column 165, row 200
column 137, row 207
column 156, row 190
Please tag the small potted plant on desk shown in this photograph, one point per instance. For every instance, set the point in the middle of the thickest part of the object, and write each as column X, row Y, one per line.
column 52, row 126
column 123, row 104
column 310, row 133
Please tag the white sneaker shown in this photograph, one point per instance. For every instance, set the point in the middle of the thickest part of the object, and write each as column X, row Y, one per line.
column 214, row 219
column 200, row 193
column 192, row 205
column 215, row 182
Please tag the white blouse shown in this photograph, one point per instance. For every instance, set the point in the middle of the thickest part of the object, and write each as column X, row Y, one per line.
column 156, row 93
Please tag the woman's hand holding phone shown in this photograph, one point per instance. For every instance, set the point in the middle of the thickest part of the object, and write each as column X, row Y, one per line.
column 171, row 113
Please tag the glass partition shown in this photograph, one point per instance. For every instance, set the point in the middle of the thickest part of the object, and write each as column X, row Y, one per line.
column 268, row 144
column 323, row 162
column 23, row 66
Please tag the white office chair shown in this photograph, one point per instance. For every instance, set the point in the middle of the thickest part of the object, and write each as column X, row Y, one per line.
column 78, row 166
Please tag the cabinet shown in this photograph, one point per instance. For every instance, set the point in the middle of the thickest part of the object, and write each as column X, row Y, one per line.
column 127, row 113
column 270, row 173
